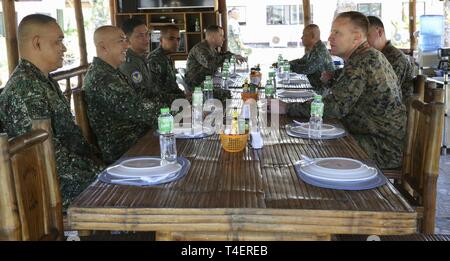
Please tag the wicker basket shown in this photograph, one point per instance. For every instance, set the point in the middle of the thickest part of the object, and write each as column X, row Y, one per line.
column 249, row 95
column 233, row 143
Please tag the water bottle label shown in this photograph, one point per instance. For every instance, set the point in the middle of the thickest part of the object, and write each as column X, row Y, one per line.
column 197, row 99
column 319, row 109
column 165, row 125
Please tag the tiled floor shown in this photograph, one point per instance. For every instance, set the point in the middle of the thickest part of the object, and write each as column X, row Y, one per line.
column 443, row 197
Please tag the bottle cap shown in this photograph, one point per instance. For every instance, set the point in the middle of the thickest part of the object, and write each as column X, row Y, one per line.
column 165, row 110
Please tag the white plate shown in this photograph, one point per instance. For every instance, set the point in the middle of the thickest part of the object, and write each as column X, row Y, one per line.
column 304, row 128
column 369, row 174
column 161, row 171
column 142, row 164
column 296, row 94
column 297, row 130
column 336, row 169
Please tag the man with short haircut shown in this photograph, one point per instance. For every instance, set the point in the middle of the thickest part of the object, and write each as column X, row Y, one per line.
column 204, row 59
column 118, row 115
column 31, row 93
column 316, row 60
column 235, row 44
column 400, row 63
column 135, row 67
column 365, row 96
column 162, row 70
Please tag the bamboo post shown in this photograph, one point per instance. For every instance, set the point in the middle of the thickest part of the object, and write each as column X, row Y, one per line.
column 9, row 19
column 222, row 9
column 81, row 33
column 412, row 24
column 306, row 12
column 112, row 12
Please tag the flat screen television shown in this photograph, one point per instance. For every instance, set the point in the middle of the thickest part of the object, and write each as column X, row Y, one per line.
column 170, row 4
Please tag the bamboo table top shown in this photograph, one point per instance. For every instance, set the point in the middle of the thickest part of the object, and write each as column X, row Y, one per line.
column 247, row 195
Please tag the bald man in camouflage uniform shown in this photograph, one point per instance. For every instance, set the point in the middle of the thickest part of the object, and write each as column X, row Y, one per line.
column 117, row 114
column 364, row 96
column 31, row 94
column 316, row 60
column 161, row 65
column 402, row 66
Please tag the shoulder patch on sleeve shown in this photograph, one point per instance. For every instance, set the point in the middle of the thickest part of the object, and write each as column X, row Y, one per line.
column 136, row 76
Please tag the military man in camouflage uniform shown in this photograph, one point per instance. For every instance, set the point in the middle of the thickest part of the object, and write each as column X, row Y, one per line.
column 365, row 96
column 161, row 66
column 235, row 44
column 204, row 59
column 316, row 60
column 399, row 61
column 135, row 67
column 117, row 114
column 31, row 94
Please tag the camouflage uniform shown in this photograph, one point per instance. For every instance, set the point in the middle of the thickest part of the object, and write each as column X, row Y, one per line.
column 313, row 63
column 163, row 76
column 403, row 68
column 117, row 114
column 29, row 95
column 203, row 61
column 136, row 70
column 234, row 37
column 366, row 98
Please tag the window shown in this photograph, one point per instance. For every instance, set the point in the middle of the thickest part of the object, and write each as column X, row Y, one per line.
column 2, row 26
column 242, row 14
column 284, row 14
column 420, row 10
column 370, row 9
column 60, row 18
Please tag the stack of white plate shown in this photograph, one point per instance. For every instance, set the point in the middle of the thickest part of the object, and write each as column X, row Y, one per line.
column 146, row 169
column 340, row 173
column 328, row 131
column 296, row 94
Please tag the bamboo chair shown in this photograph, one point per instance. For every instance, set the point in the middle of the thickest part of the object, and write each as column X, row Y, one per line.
column 81, row 117
column 30, row 205
column 420, row 168
column 419, row 92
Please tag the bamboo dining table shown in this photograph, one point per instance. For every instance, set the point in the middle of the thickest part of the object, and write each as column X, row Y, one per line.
column 250, row 195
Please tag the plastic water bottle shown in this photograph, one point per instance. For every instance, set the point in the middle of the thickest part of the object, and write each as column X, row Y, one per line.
column 286, row 71
column 315, row 121
column 280, row 62
column 225, row 75
column 233, row 66
column 197, row 111
column 208, row 88
column 272, row 76
column 269, row 90
column 167, row 141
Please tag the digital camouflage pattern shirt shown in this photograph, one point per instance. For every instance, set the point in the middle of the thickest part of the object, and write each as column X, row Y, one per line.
column 202, row 61
column 367, row 100
column 135, row 68
column 313, row 63
column 163, row 75
column 28, row 95
column 403, row 68
column 117, row 114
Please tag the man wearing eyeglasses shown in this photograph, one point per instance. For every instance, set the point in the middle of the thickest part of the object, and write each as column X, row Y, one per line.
column 162, row 71
column 135, row 67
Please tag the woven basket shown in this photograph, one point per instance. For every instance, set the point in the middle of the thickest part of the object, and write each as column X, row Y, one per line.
column 233, row 143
